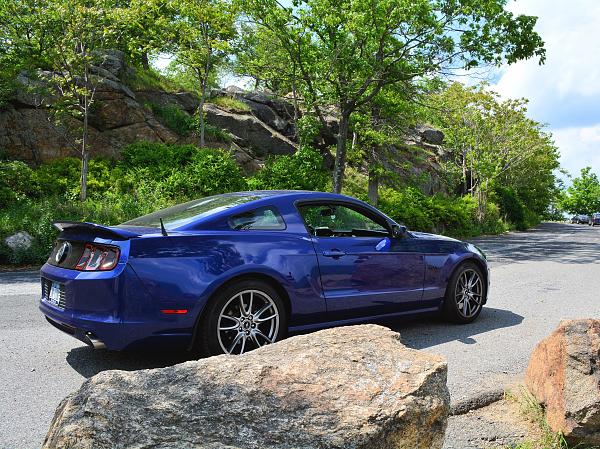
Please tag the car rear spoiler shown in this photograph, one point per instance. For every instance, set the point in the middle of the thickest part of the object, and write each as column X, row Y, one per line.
column 107, row 232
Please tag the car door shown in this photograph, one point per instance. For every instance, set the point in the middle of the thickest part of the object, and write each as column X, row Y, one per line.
column 364, row 272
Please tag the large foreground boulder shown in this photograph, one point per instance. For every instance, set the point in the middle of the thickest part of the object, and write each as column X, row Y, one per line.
column 564, row 375
column 353, row 387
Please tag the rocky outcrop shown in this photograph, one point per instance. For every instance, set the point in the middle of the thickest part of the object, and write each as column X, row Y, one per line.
column 564, row 376
column 250, row 131
column 352, row 387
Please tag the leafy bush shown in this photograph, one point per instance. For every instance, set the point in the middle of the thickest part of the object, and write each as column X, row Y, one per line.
column 511, row 207
column 301, row 171
column 209, row 172
column 60, row 176
column 451, row 216
column 17, row 181
column 158, row 158
column 230, row 104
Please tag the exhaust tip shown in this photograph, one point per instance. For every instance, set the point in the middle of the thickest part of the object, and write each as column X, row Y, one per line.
column 94, row 341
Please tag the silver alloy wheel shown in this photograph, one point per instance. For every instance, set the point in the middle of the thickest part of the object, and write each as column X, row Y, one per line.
column 468, row 293
column 249, row 320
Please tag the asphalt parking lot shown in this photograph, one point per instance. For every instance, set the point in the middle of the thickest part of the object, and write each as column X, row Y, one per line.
column 538, row 278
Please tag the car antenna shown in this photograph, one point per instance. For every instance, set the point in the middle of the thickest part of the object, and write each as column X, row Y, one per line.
column 163, row 231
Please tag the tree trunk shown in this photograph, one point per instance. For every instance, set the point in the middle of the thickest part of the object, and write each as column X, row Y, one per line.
column 84, row 150
column 464, row 173
column 340, row 154
column 373, row 188
column 201, row 112
column 145, row 61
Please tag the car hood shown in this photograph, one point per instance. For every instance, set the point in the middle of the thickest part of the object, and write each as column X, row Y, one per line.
column 427, row 236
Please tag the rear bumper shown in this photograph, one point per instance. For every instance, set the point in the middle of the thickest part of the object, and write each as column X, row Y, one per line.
column 95, row 333
column 112, row 312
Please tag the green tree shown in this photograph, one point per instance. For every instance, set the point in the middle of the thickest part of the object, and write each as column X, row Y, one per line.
column 583, row 196
column 347, row 51
column 493, row 142
column 203, row 32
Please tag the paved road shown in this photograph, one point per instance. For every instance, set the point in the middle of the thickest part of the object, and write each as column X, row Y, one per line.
column 538, row 277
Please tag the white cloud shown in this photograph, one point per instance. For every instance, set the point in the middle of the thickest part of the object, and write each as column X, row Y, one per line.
column 565, row 91
column 579, row 147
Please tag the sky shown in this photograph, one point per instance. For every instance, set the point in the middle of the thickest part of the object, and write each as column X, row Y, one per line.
column 564, row 93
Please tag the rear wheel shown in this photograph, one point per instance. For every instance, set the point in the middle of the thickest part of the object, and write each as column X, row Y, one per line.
column 465, row 294
column 243, row 316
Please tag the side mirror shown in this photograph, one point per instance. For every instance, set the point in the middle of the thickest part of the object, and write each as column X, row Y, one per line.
column 398, row 232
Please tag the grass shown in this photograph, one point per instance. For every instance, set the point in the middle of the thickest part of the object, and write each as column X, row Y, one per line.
column 174, row 118
column 534, row 412
column 230, row 104
column 150, row 79
column 184, row 125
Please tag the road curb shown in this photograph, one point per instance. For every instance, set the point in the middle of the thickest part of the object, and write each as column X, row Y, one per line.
column 476, row 402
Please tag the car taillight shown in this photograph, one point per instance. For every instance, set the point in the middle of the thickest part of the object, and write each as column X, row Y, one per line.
column 98, row 258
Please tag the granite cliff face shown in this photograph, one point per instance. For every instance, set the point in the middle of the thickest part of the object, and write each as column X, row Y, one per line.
column 123, row 115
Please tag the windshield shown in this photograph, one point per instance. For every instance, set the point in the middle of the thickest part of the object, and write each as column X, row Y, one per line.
column 176, row 216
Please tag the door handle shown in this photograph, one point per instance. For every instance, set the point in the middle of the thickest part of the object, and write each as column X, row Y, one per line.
column 335, row 253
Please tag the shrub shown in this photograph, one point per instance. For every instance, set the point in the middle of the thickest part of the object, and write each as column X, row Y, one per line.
column 210, row 172
column 158, row 158
column 511, row 206
column 451, row 216
column 17, row 181
column 301, row 171
column 60, row 176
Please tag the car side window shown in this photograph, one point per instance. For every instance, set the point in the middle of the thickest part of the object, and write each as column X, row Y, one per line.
column 264, row 218
column 334, row 220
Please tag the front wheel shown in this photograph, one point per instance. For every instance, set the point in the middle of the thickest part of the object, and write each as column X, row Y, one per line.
column 243, row 316
column 465, row 294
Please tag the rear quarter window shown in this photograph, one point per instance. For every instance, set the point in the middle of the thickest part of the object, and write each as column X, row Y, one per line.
column 263, row 219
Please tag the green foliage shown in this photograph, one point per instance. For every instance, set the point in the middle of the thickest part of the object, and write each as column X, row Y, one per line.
column 208, row 173
column 492, row 143
column 346, row 52
column 301, row 171
column 140, row 79
column 150, row 176
column 175, row 119
column 230, row 104
column 440, row 214
column 511, row 206
column 17, row 181
column 583, row 196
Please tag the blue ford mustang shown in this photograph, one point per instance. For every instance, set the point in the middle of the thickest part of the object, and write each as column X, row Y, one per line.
column 230, row 273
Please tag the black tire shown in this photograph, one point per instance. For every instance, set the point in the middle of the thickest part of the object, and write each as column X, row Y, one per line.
column 453, row 309
column 210, row 341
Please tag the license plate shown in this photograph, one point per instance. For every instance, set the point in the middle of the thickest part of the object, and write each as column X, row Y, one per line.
column 54, row 295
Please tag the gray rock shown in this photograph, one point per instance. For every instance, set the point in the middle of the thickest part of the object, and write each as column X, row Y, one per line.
column 33, row 91
column 430, row 135
column 352, row 387
column 267, row 115
column 185, row 101
column 252, row 132
column 232, row 90
column 108, row 89
column 113, row 61
column 20, row 241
